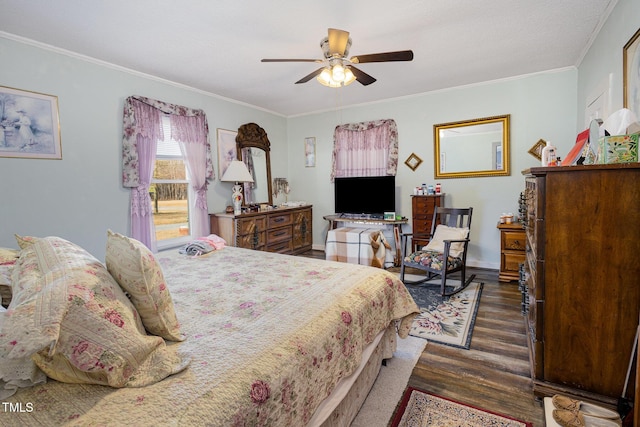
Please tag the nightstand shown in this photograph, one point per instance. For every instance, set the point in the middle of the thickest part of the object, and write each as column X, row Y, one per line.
column 512, row 250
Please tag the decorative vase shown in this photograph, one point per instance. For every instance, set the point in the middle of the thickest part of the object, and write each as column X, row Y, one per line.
column 237, row 199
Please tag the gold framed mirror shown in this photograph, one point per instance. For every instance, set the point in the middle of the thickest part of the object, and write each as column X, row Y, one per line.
column 472, row 148
column 253, row 144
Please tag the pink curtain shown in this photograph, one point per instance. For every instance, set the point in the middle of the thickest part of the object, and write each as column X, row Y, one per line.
column 365, row 149
column 191, row 134
column 148, row 132
column 142, row 128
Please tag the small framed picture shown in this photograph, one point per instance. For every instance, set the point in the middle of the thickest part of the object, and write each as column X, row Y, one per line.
column 227, row 151
column 29, row 125
column 389, row 216
column 413, row 161
column 310, row 152
column 631, row 73
column 536, row 149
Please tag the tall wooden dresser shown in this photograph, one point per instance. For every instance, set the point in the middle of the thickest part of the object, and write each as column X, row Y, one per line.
column 581, row 278
column 282, row 230
column 422, row 208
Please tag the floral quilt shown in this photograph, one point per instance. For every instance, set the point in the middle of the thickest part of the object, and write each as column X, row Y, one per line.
column 269, row 336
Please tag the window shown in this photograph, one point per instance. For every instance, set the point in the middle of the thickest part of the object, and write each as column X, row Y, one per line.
column 170, row 192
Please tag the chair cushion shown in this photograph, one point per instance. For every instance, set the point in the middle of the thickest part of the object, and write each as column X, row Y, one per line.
column 444, row 232
column 432, row 260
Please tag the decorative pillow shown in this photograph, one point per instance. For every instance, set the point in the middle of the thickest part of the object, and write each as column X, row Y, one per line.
column 8, row 256
column 25, row 241
column 74, row 321
column 444, row 232
column 17, row 373
column 134, row 267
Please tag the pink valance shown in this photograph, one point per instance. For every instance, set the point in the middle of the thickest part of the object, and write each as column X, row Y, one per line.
column 142, row 117
column 365, row 149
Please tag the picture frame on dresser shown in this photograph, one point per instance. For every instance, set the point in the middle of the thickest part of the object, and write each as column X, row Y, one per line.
column 29, row 125
column 631, row 73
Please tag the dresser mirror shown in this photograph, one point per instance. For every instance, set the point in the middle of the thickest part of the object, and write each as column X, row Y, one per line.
column 472, row 148
column 253, row 147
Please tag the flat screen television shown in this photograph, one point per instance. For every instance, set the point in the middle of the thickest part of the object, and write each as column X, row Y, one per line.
column 367, row 195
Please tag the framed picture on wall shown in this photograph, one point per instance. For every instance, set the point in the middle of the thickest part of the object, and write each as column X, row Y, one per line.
column 227, row 151
column 29, row 125
column 310, row 152
column 631, row 72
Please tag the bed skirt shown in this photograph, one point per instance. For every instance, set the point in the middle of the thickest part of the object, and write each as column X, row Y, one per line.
column 342, row 406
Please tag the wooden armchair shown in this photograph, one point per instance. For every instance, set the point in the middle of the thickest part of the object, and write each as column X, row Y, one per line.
column 448, row 240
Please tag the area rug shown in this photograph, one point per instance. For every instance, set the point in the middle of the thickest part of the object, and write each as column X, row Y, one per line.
column 421, row 409
column 446, row 320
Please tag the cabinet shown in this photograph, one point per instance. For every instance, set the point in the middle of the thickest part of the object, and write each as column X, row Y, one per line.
column 512, row 246
column 581, row 293
column 282, row 230
column 422, row 208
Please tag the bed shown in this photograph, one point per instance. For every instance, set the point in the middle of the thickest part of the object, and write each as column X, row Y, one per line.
column 261, row 339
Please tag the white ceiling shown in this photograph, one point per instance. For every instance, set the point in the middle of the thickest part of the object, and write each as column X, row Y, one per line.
column 216, row 46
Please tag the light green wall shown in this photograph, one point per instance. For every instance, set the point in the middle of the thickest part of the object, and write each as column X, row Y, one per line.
column 603, row 61
column 81, row 196
column 541, row 106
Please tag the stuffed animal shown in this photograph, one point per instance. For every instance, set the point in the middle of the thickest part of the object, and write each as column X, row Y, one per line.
column 378, row 244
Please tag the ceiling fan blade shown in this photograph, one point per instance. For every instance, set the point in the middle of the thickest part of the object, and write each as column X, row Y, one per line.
column 310, row 76
column 364, row 78
column 291, row 60
column 338, row 40
column 401, row 55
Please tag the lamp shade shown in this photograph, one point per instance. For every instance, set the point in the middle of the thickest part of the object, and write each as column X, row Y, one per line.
column 237, row 172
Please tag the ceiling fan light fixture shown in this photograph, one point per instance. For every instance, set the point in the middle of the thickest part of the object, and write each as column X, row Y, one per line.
column 337, row 73
column 348, row 76
column 328, row 76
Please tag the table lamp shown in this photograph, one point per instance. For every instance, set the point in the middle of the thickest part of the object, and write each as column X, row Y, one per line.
column 237, row 172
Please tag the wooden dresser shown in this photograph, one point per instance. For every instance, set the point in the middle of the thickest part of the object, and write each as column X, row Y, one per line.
column 581, row 279
column 422, row 208
column 512, row 245
column 282, row 230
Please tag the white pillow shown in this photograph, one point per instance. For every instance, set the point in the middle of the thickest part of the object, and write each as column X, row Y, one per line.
column 444, row 232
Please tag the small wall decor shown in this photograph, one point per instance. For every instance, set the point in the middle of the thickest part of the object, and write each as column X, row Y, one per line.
column 310, row 152
column 536, row 149
column 227, row 151
column 413, row 161
column 631, row 72
column 29, row 125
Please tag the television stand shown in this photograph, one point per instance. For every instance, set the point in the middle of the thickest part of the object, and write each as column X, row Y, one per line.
column 334, row 220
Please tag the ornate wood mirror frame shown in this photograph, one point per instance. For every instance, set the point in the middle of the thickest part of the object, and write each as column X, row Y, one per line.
column 251, row 135
column 472, row 148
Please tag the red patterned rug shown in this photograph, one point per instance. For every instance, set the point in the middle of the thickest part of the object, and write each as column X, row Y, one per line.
column 421, row 409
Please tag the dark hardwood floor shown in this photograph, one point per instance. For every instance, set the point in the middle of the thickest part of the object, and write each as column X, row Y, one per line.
column 494, row 373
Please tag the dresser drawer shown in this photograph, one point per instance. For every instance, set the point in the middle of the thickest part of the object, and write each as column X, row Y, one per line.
column 254, row 240
column 280, row 220
column 279, row 234
column 281, row 247
column 511, row 261
column 514, row 240
column 425, row 203
column 248, row 225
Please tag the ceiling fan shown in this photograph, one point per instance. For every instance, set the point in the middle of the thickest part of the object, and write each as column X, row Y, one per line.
column 337, row 69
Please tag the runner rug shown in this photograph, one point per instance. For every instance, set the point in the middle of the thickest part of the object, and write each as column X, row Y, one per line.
column 446, row 320
column 421, row 409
